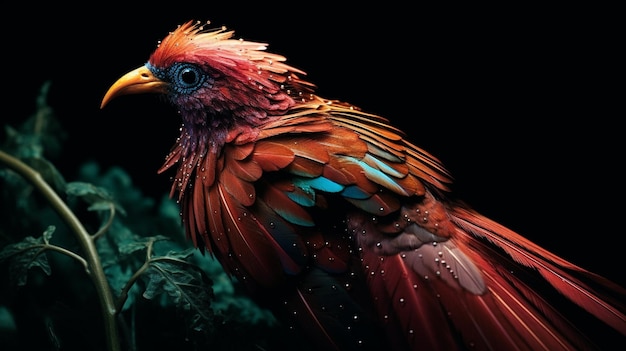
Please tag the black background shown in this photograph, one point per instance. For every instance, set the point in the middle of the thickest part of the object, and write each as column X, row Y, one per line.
column 519, row 103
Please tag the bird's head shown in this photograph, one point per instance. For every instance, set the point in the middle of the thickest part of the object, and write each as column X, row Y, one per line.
column 215, row 81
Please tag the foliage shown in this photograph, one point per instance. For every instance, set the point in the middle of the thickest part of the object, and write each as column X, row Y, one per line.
column 57, row 237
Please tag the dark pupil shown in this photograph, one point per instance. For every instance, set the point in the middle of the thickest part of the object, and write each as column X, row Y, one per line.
column 188, row 76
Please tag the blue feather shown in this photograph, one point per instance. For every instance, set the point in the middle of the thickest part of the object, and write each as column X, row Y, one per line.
column 381, row 178
column 354, row 192
column 383, row 166
column 319, row 183
column 304, row 197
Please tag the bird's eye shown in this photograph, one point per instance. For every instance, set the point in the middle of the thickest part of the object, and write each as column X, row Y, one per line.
column 186, row 77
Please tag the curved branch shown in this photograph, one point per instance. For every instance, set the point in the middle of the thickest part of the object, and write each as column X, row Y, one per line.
column 106, row 225
column 95, row 270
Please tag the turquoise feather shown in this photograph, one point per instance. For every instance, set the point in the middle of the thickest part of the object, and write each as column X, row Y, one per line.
column 319, row 183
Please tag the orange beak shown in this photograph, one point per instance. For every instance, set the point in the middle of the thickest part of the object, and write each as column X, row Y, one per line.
column 138, row 81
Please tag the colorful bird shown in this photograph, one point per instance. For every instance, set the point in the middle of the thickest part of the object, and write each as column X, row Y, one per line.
column 333, row 217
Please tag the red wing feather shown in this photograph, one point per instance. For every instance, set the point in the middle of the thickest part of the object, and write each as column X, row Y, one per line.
column 241, row 190
column 399, row 296
column 272, row 156
column 212, row 215
column 305, row 167
column 278, row 201
column 246, row 170
column 306, row 147
column 250, row 247
column 239, row 152
column 196, row 221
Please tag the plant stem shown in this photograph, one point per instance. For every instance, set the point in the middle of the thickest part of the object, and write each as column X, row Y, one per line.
column 129, row 284
column 95, row 270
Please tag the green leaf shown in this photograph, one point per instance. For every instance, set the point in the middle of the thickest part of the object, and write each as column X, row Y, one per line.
column 99, row 199
column 186, row 286
column 139, row 243
column 40, row 136
column 88, row 192
column 26, row 254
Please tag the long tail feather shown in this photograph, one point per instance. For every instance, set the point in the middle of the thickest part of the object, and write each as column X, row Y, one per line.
column 550, row 266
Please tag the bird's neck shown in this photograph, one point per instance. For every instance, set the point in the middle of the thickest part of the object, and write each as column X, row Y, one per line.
column 201, row 132
column 204, row 133
column 211, row 130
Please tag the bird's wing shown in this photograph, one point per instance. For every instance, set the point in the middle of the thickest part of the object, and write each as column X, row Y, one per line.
column 429, row 263
column 467, row 261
